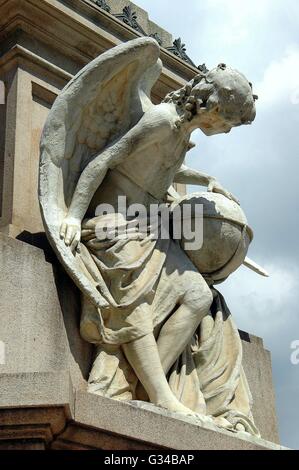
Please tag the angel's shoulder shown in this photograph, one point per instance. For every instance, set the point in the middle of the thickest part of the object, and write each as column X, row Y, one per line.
column 160, row 115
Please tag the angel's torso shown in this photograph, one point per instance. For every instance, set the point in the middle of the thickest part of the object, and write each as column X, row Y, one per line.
column 146, row 173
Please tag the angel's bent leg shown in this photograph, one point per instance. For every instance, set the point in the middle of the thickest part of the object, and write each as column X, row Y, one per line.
column 180, row 327
column 144, row 357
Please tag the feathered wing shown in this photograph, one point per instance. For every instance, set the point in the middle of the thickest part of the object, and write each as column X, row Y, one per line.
column 100, row 104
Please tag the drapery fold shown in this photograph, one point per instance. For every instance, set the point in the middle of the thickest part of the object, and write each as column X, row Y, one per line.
column 137, row 276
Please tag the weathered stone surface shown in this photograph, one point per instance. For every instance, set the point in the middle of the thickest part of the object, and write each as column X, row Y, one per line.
column 258, row 370
column 101, row 423
column 39, row 309
column 45, row 357
column 31, row 427
column 47, row 363
column 142, row 18
column 158, row 428
column 149, row 297
column 64, row 36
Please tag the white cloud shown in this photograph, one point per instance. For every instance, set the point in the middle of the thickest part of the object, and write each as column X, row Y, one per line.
column 234, row 20
column 281, row 79
column 263, row 306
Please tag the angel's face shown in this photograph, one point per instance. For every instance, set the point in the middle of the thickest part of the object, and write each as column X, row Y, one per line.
column 229, row 104
column 212, row 123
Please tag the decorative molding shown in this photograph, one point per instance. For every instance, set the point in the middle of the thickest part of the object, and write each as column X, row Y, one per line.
column 102, row 4
column 179, row 49
column 157, row 38
column 18, row 53
column 64, row 29
column 129, row 17
column 203, row 68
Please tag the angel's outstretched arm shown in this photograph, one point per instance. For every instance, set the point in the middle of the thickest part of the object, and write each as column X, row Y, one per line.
column 146, row 132
column 186, row 175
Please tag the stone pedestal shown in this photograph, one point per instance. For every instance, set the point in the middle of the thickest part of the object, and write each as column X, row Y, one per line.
column 43, row 398
column 44, row 363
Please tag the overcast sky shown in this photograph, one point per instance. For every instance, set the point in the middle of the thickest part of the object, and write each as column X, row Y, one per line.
column 258, row 163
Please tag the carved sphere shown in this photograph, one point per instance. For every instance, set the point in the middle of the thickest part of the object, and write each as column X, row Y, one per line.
column 225, row 233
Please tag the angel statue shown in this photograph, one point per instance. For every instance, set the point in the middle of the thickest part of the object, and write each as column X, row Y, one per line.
column 162, row 332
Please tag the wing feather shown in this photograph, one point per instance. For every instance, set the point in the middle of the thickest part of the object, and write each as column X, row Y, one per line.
column 101, row 103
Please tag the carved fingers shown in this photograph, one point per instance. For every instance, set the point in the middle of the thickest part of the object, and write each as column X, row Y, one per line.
column 70, row 232
column 233, row 198
column 216, row 187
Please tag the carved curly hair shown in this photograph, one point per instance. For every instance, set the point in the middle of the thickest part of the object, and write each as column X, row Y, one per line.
column 214, row 90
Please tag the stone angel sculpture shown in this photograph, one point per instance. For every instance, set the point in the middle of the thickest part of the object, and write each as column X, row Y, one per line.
column 162, row 332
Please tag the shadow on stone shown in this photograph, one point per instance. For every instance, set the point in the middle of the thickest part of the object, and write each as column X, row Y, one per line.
column 39, row 240
column 69, row 300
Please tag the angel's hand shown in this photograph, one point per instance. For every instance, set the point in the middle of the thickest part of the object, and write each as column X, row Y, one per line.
column 216, row 187
column 70, row 232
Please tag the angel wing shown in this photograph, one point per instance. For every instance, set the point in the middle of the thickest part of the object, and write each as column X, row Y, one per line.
column 100, row 104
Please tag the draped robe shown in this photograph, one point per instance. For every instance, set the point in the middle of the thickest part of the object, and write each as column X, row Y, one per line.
column 140, row 277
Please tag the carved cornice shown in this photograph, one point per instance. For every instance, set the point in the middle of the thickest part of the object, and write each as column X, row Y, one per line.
column 203, row 68
column 75, row 31
column 102, row 4
column 179, row 49
column 19, row 55
column 156, row 37
column 130, row 18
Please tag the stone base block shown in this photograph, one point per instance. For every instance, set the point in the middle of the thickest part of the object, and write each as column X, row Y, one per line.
column 47, row 414
column 44, row 366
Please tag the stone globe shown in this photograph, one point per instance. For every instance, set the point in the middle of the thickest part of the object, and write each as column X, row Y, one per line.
column 224, row 228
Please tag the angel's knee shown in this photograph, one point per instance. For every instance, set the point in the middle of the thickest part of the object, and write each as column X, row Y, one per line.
column 90, row 321
column 198, row 296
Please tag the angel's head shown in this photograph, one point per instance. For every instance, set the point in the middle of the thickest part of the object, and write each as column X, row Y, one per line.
column 216, row 101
